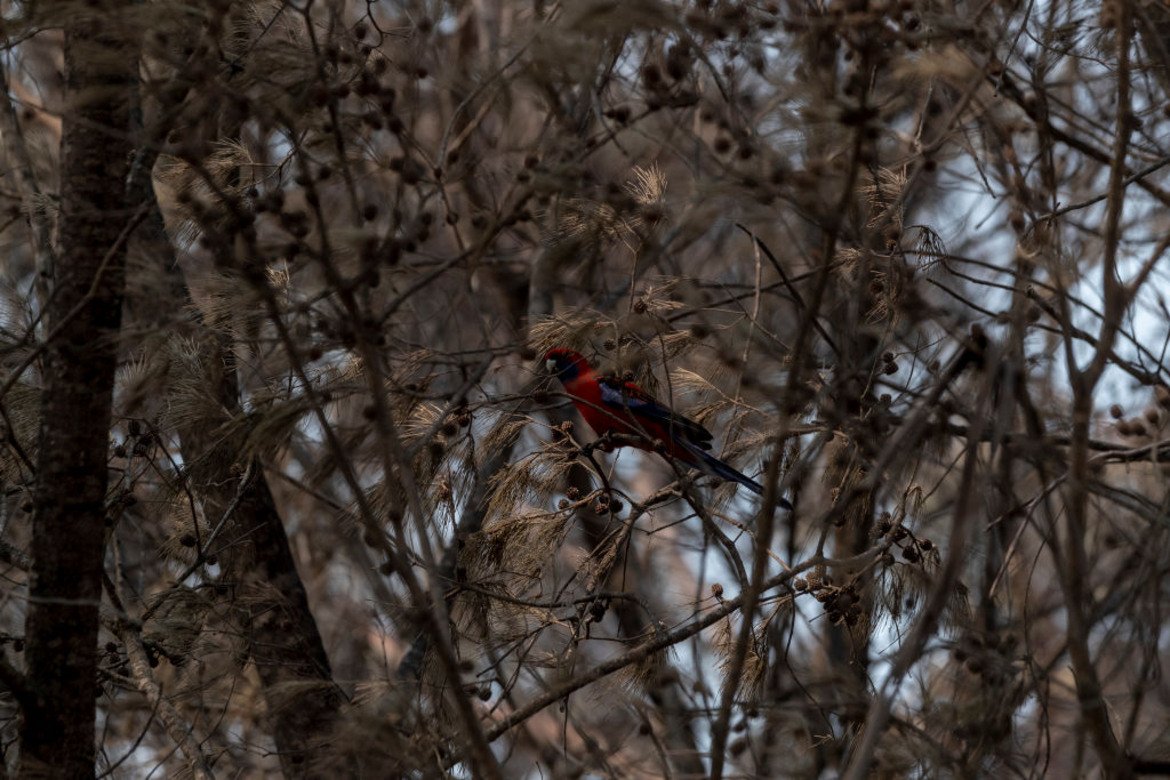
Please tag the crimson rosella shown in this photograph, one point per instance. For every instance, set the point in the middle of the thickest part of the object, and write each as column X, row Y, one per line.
column 612, row 406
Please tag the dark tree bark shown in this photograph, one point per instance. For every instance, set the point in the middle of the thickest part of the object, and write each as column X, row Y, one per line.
column 283, row 639
column 267, row 593
column 268, row 596
column 83, row 320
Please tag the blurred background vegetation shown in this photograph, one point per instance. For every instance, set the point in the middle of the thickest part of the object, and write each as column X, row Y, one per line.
column 328, row 517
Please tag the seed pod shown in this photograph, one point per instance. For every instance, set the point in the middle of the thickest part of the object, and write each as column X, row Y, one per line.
column 1162, row 395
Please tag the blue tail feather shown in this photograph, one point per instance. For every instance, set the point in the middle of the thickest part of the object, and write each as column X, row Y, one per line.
column 712, row 465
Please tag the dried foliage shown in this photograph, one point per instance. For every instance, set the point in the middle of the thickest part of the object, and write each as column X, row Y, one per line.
column 903, row 259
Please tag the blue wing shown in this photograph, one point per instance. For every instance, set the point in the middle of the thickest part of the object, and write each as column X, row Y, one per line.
column 630, row 398
column 694, row 439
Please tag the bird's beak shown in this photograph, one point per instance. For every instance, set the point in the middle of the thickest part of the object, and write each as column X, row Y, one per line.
column 550, row 366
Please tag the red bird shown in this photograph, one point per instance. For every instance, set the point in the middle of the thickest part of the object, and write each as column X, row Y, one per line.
column 612, row 406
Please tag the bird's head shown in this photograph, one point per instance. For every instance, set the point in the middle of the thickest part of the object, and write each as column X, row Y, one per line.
column 565, row 364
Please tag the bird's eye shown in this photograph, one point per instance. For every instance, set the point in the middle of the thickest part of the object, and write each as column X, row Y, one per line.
column 550, row 366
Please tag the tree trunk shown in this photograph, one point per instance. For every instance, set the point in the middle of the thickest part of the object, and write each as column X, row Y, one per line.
column 83, row 319
column 268, row 595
